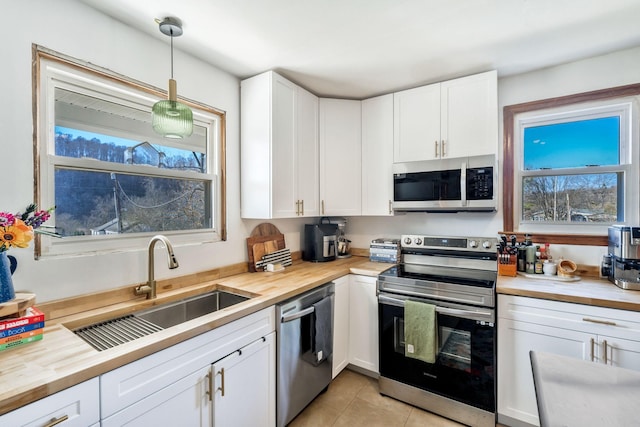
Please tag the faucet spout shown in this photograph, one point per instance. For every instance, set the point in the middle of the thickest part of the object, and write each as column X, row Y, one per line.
column 150, row 288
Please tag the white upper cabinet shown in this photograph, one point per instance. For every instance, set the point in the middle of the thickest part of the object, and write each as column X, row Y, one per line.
column 340, row 157
column 377, row 155
column 456, row 118
column 279, row 148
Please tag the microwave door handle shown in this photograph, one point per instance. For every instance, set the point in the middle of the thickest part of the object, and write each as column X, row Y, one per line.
column 463, row 184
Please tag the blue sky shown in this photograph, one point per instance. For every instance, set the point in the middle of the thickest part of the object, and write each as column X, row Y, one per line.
column 572, row 144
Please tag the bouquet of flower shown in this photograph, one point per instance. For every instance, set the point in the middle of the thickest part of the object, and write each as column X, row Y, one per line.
column 16, row 230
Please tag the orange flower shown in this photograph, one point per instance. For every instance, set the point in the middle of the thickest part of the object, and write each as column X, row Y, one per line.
column 19, row 235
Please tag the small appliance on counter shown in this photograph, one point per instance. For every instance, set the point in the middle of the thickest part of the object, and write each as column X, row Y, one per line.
column 320, row 242
column 623, row 262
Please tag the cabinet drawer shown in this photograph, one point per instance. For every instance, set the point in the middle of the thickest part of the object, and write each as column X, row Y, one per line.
column 579, row 317
column 80, row 405
column 130, row 383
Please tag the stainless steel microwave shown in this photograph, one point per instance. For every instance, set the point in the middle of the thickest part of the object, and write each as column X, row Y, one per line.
column 445, row 185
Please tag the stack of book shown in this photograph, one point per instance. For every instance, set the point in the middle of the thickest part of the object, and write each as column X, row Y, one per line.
column 384, row 250
column 17, row 331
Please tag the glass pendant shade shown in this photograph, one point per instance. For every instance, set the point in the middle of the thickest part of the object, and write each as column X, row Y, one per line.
column 171, row 118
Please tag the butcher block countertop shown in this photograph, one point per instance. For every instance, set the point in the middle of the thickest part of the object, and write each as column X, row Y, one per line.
column 588, row 290
column 62, row 359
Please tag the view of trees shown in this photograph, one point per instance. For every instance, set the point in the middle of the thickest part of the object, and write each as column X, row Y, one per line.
column 92, row 202
column 589, row 197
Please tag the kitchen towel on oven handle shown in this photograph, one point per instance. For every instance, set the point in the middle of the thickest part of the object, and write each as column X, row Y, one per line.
column 420, row 331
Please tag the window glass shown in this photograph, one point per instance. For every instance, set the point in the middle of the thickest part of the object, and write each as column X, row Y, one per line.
column 581, row 143
column 572, row 198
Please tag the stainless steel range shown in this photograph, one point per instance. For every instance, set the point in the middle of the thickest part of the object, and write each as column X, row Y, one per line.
column 456, row 278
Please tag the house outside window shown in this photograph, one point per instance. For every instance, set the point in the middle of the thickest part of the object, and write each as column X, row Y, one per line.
column 114, row 182
column 571, row 164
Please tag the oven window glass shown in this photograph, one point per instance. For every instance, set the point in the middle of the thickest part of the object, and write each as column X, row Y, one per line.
column 454, row 345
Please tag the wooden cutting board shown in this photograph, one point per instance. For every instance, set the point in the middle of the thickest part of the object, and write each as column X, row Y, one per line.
column 265, row 239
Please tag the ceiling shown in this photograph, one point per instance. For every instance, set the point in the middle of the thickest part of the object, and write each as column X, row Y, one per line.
column 361, row 48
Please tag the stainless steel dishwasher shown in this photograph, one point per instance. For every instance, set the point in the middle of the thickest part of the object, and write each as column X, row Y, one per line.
column 304, row 350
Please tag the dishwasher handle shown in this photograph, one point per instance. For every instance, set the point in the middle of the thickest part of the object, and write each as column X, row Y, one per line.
column 297, row 315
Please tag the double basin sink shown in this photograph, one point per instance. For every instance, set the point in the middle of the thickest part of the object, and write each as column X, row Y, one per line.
column 110, row 333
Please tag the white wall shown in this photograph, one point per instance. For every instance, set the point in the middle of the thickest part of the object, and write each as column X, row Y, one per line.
column 76, row 30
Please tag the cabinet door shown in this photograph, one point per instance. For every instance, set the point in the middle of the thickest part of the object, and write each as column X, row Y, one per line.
column 76, row 406
column 469, row 116
column 340, row 157
column 307, row 162
column 363, row 322
column 516, row 392
column 619, row 352
column 244, row 384
column 185, row 402
column 416, row 124
column 283, row 141
column 340, row 325
column 377, row 155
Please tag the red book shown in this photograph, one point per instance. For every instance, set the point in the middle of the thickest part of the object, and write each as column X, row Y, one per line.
column 33, row 316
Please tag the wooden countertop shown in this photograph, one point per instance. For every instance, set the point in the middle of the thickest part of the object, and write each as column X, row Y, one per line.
column 62, row 359
column 588, row 290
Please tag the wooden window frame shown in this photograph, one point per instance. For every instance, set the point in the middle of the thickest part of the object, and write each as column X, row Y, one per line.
column 508, row 168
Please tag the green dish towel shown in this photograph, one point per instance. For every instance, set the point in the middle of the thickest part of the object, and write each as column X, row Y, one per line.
column 420, row 336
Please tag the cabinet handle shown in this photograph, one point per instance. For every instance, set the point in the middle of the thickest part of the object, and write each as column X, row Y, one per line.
column 302, row 205
column 436, row 145
column 604, row 344
column 221, row 388
column 442, row 149
column 323, row 207
column 297, row 207
column 210, row 388
column 592, row 346
column 56, row 421
column 602, row 322
column 390, row 207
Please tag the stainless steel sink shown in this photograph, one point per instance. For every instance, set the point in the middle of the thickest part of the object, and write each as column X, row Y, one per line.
column 123, row 329
column 172, row 314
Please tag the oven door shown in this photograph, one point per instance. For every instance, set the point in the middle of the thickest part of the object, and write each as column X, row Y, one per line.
column 464, row 369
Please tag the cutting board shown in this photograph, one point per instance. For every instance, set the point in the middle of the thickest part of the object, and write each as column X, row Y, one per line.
column 265, row 239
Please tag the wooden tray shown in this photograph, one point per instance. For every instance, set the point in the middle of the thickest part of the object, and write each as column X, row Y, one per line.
column 17, row 307
column 265, row 239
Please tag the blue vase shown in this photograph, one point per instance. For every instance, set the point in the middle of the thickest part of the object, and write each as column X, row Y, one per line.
column 7, row 267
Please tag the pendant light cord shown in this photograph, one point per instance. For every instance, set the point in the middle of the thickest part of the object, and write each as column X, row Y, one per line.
column 171, row 36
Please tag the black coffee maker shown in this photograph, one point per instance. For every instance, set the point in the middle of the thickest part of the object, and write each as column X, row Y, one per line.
column 320, row 242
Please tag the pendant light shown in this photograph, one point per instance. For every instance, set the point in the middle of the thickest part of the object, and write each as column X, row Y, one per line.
column 171, row 118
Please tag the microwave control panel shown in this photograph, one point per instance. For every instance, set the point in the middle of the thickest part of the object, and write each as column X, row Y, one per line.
column 480, row 183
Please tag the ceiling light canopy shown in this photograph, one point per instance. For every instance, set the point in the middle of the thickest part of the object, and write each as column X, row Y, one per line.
column 171, row 118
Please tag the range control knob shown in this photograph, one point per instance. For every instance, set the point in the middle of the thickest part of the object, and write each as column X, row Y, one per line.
column 473, row 244
column 417, row 241
column 407, row 240
column 486, row 244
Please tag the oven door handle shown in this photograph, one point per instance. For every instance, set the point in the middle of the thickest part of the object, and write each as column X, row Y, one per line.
column 439, row 309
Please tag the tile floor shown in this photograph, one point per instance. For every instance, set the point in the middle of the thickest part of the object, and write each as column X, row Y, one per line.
column 353, row 400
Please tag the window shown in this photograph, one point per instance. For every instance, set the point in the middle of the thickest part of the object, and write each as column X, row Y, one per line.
column 115, row 182
column 569, row 168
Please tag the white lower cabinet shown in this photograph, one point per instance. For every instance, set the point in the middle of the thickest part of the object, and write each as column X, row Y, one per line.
column 602, row 335
column 77, row 406
column 340, row 325
column 183, row 403
column 244, row 385
column 363, row 322
column 179, row 385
